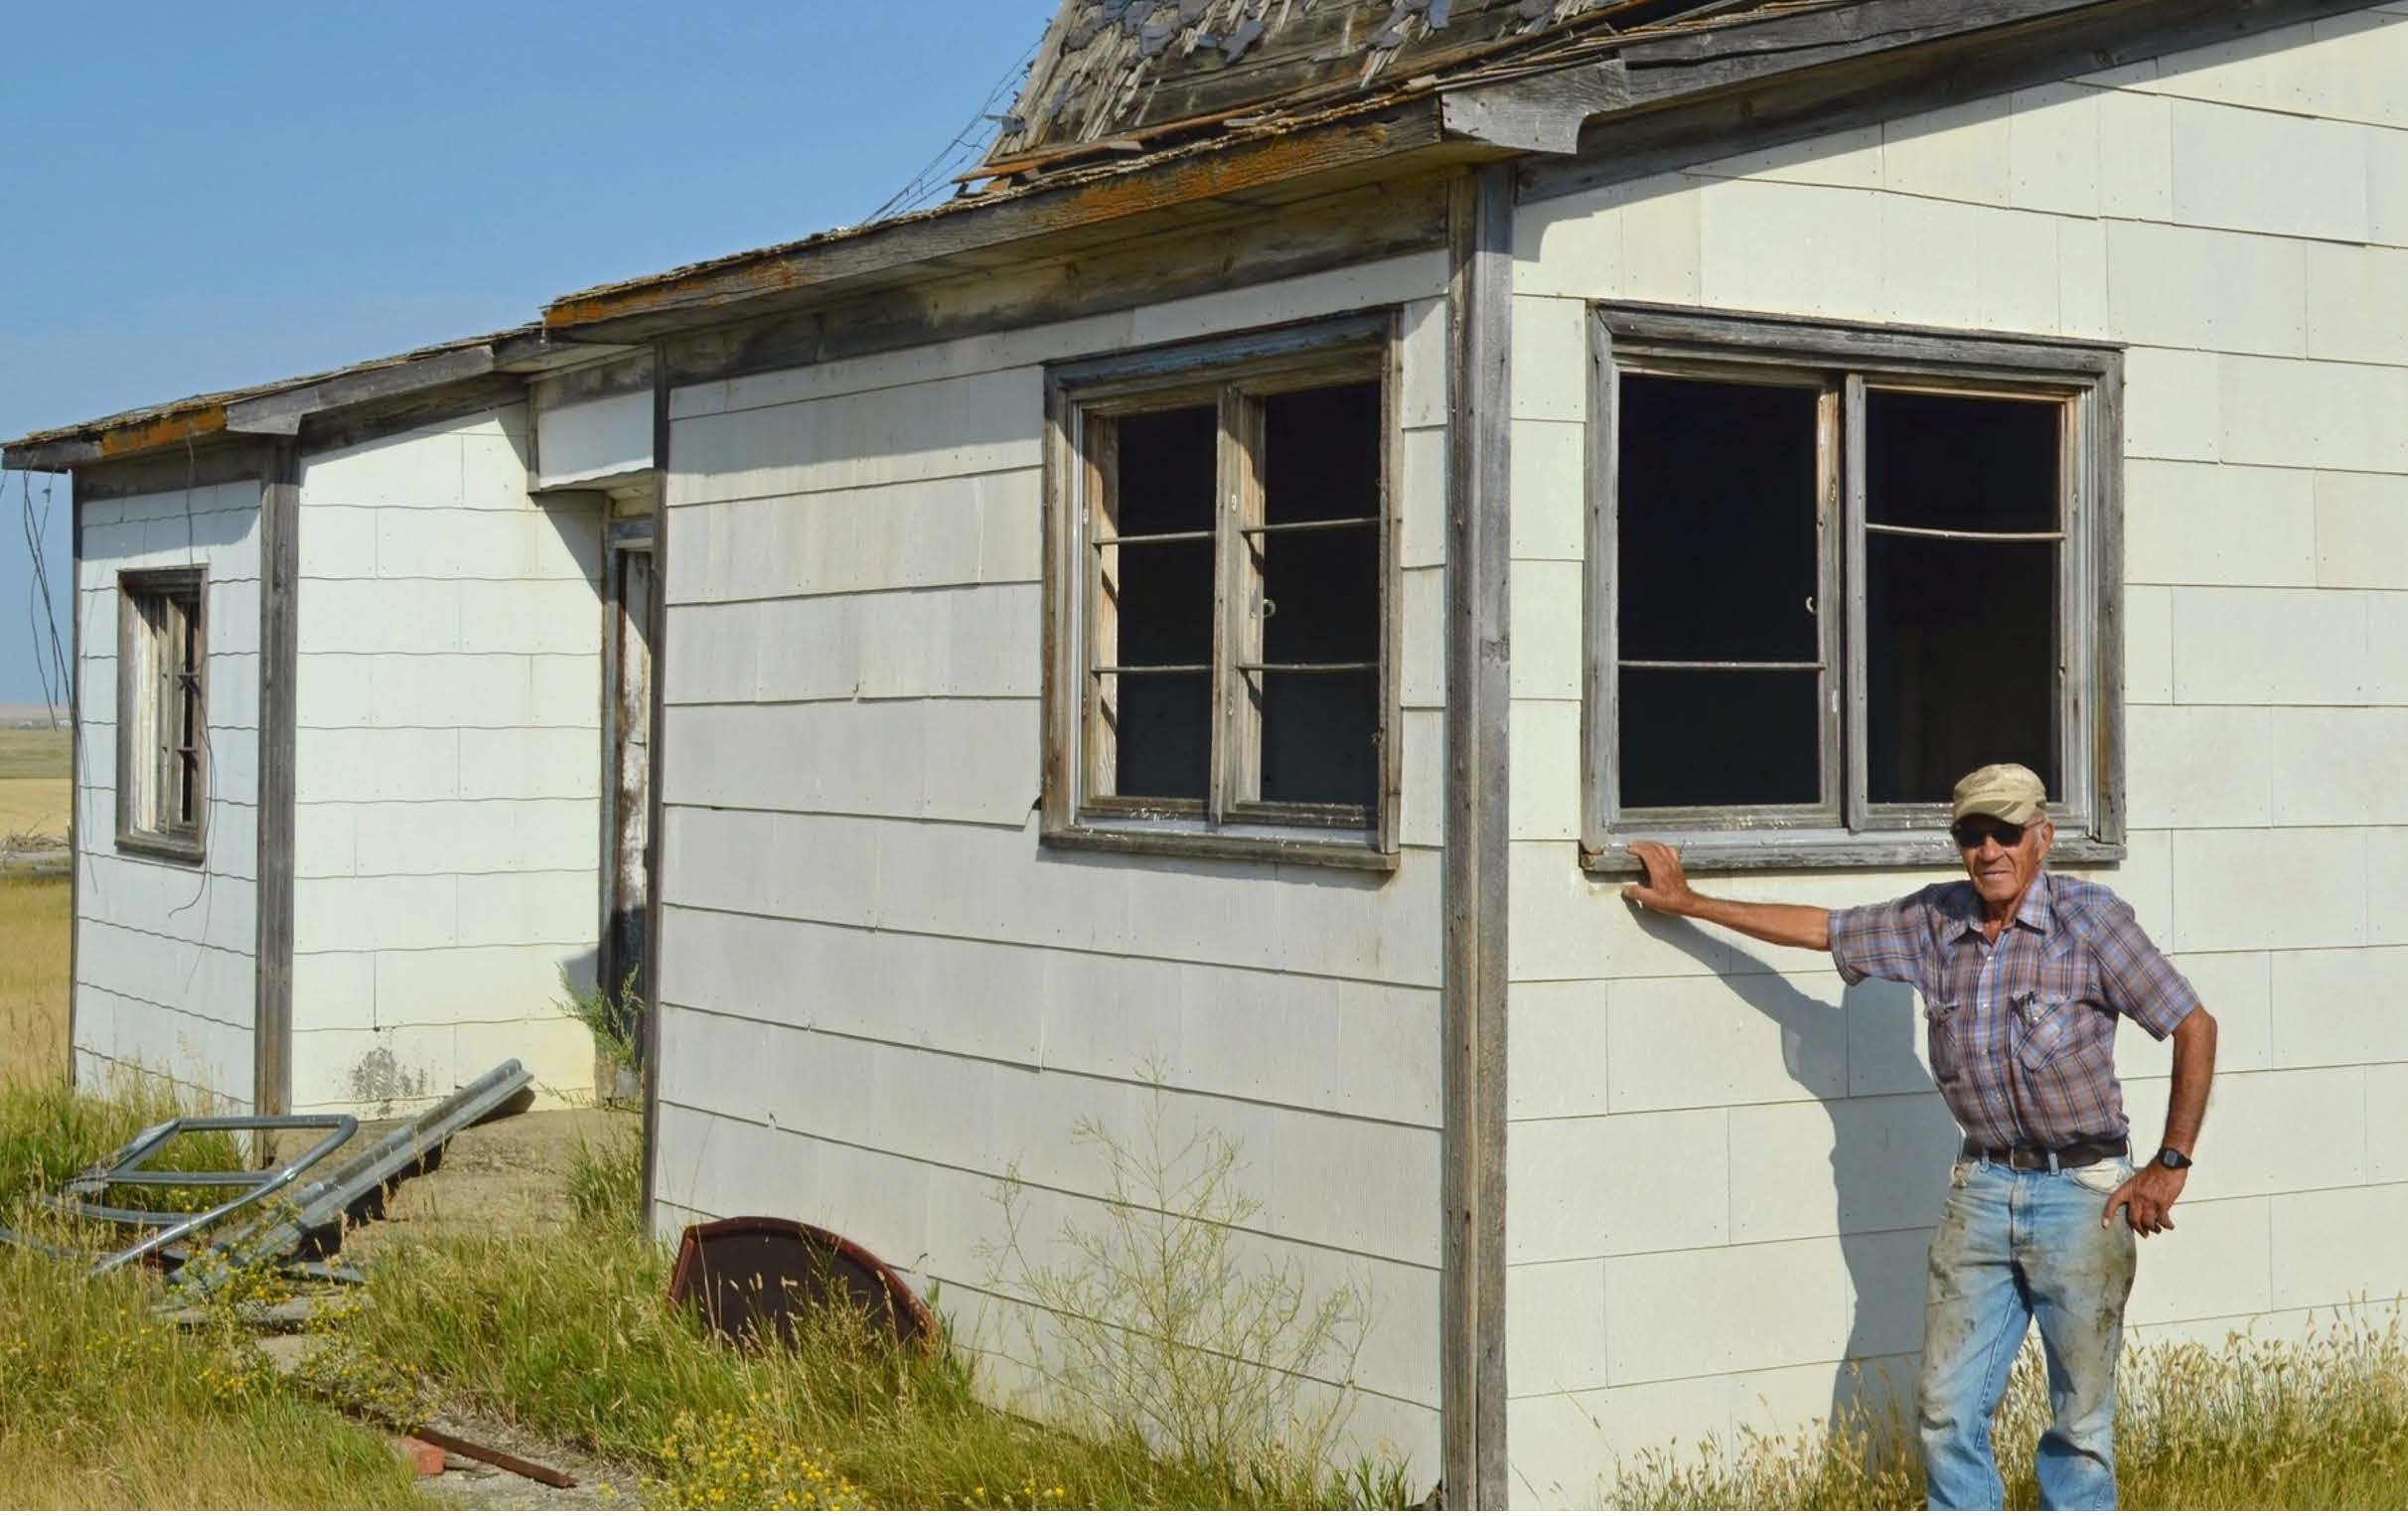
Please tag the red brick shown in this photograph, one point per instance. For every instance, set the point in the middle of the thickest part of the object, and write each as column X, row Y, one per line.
column 424, row 1459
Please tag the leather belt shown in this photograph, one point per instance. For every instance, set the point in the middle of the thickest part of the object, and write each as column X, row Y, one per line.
column 2077, row 1155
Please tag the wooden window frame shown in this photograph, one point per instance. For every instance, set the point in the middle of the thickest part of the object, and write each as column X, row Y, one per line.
column 1843, row 361
column 1084, row 397
column 148, row 701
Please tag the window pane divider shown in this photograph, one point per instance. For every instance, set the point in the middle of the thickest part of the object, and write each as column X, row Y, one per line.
column 1855, row 699
column 1363, row 666
column 1103, row 669
column 1678, row 666
column 1336, row 524
column 1150, row 538
column 1940, row 535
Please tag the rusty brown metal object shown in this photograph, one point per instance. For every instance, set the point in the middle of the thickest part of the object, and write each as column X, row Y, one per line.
column 508, row 1462
column 752, row 1277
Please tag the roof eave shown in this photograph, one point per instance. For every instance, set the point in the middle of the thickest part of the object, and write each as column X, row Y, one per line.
column 1372, row 140
column 279, row 409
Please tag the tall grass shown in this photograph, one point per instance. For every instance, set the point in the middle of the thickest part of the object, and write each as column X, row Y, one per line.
column 571, row 1335
column 33, row 979
column 2317, row 1423
column 100, row 1406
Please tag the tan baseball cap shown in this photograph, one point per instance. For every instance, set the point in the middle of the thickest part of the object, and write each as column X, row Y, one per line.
column 2009, row 790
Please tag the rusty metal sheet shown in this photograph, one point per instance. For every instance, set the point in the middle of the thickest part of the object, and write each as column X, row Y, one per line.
column 753, row 1277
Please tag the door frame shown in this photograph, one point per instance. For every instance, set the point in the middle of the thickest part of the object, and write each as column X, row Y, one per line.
column 623, row 538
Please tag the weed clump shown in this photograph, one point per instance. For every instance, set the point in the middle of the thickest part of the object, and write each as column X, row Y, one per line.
column 721, row 1464
column 612, row 1019
column 1158, row 1338
column 2317, row 1421
column 606, row 1179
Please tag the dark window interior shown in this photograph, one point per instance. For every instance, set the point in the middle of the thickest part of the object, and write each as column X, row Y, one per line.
column 1162, row 599
column 184, row 706
column 1320, row 601
column 1718, row 488
column 1961, row 661
column 1720, row 739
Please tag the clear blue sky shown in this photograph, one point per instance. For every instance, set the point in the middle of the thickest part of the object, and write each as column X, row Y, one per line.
column 203, row 197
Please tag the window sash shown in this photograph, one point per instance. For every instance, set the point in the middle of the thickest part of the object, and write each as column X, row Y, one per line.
column 1848, row 362
column 162, row 730
column 1236, row 378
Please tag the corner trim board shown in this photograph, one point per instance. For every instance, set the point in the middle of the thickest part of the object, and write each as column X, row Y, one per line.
column 75, row 758
column 1473, row 1367
column 654, row 848
column 279, row 669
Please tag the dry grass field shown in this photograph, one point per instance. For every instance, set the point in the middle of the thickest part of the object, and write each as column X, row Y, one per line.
column 33, row 979
column 32, row 912
column 32, row 782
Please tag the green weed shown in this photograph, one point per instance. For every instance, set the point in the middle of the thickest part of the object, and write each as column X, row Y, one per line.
column 2317, row 1423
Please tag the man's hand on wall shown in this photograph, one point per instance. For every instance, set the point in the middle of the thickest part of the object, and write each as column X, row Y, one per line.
column 1667, row 887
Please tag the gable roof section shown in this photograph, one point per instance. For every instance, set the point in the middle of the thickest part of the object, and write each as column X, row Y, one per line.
column 1624, row 82
column 1115, row 76
column 1330, row 100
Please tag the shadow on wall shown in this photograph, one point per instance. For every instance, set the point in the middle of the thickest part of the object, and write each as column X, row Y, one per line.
column 1890, row 1150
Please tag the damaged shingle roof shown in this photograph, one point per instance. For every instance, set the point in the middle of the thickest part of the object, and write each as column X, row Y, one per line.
column 1123, row 74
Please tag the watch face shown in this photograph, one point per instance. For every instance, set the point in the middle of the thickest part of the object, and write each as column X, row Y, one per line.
column 2173, row 1159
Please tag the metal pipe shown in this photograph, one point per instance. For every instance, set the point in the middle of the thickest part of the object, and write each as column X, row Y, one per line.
column 1937, row 534
column 1336, row 524
column 1150, row 538
column 1675, row 666
column 329, row 1199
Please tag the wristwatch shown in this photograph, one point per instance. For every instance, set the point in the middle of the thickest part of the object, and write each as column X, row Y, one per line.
column 2172, row 1157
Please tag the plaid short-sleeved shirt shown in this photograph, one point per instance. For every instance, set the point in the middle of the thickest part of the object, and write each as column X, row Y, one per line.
column 2021, row 1033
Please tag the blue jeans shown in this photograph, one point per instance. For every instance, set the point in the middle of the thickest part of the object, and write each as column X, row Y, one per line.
column 2013, row 1247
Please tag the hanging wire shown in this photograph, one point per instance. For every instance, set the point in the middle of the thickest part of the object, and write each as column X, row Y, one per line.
column 969, row 145
column 50, row 648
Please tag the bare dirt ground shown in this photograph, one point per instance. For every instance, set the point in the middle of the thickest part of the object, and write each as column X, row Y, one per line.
column 505, row 1177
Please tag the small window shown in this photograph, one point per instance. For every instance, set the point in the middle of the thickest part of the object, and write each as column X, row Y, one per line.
column 1835, row 570
column 163, row 722
column 1220, row 598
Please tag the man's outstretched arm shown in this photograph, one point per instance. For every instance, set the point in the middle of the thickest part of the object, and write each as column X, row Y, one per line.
column 1667, row 890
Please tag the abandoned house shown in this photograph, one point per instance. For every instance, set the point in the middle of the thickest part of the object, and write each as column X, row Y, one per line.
column 356, row 787
column 1200, row 611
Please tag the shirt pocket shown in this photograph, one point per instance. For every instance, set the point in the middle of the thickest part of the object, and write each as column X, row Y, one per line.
column 1943, row 1028
column 2045, row 1029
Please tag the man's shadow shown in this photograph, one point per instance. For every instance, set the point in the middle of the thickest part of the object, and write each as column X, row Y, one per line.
column 1893, row 1141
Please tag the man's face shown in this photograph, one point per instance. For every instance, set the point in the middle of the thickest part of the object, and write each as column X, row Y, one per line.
column 2001, row 858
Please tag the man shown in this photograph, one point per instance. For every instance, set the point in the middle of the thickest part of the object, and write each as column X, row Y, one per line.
column 2023, row 973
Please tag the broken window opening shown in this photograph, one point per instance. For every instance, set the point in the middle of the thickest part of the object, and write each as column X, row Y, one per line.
column 1839, row 568
column 1961, row 632
column 1718, row 560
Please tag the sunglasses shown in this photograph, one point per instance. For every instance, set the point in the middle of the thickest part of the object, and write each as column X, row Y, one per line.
column 1971, row 831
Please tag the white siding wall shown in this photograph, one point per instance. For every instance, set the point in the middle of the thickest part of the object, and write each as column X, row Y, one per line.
column 448, row 767
column 880, row 993
column 165, row 951
column 1723, row 1167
